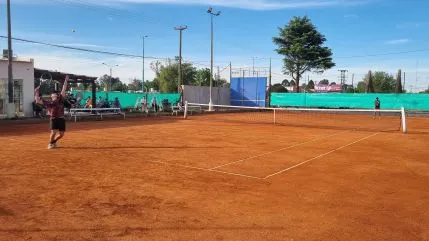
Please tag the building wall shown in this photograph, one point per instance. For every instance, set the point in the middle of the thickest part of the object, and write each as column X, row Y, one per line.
column 22, row 70
column 201, row 95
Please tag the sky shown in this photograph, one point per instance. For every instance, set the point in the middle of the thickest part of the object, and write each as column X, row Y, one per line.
column 377, row 35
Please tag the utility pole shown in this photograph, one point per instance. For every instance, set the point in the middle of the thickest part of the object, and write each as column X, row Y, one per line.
column 11, row 107
column 343, row 78
column 253, row 70
column 144, row 36
column 218, row 76
column 212, row 14
column 180, row 29
column 230, row 72
column 269, row 86
column 353, row 80
column 108, row 85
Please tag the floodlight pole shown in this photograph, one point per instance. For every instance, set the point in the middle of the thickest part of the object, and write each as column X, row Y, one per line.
column 144, row 36
column 210, row 11
column 180, row 29
column 10, row 56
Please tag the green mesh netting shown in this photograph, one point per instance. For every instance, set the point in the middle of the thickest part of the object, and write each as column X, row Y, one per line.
column 353, row 101
column 131, row 100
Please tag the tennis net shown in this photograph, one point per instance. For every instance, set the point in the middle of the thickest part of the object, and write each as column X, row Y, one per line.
column 355, row 119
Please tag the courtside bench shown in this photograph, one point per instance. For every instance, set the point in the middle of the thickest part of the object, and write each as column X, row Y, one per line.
column 175, row 110
column 85, row 112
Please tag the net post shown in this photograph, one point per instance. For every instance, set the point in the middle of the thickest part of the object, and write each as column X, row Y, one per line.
column 274, row 116
column 186, row 110
column 403, row 120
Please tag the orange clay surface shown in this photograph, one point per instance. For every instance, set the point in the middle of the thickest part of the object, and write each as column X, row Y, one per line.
column 173, row 179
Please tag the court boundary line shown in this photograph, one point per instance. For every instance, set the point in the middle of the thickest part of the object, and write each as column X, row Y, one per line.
column 320, row 156
column 207, row 170
column 281, row 149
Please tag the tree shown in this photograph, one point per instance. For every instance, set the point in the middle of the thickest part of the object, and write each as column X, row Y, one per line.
column 380, row 82
column 398, row 86
column 324, row 82
column 122, row 87
column 292, row 83
column 286, row 83
column 202, row 77
column 135, row 85
column 361, row 87
column 350, row 89
column 152, row 84
column 169, row 75
column 222, row 83
column 369, row 83
column 105, row 82
column 333, row 83
column 302, row 47
column 278, row 88
column 310, row 85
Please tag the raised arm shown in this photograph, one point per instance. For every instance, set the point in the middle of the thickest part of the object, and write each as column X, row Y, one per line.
column 63, row 91
column 37, row 95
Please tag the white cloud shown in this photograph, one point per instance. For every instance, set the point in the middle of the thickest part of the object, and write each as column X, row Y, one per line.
column 244, row 4
column 398, row 41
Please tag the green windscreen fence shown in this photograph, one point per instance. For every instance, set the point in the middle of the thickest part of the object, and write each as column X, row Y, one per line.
column 131, row 100
column 352, row 101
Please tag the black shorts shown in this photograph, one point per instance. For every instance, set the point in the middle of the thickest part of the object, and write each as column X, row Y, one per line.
column 58, row 124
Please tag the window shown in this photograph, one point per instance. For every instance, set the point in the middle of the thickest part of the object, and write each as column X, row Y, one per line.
column 18, row 96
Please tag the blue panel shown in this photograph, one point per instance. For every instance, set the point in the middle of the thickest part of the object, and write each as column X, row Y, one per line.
column 261, row 91
column 249, row 91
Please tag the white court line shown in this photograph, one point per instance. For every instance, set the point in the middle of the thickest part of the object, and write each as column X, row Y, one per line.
column 319, row 156
column 207, row 170
column 282, row 149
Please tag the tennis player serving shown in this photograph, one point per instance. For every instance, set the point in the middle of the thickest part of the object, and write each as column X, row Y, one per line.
column 55, row 107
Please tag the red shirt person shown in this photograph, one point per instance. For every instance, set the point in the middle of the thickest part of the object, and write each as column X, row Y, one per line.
column 55, row 108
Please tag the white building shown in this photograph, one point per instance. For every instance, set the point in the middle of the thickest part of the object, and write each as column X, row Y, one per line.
column 23, row 75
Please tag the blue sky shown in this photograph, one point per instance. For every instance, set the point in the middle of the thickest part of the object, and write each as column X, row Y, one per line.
column 363, row 34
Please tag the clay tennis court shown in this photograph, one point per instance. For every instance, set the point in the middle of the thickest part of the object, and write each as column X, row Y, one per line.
column 202, row 179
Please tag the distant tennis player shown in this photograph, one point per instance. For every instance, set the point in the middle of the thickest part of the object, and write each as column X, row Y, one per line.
column 377, row 106
column 55, row 107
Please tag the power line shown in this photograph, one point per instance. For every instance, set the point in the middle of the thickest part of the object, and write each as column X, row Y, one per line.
column 83, row 49
column 367, row 55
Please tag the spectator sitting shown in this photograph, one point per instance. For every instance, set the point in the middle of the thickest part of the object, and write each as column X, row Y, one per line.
column 106, row 103
column 100, row 103
column 116, row 103
column 154, row 104
column 88, row 103
column 72, row 100
column 144, row 104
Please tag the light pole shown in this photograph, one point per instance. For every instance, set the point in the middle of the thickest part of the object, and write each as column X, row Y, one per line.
column 180, row 29
column 11, row 107
column 144, row 36
column 110, row 79
column 210, row 11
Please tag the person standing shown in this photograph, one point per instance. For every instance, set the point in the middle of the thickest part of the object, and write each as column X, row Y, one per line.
column 377, row 106
column 55, row 107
